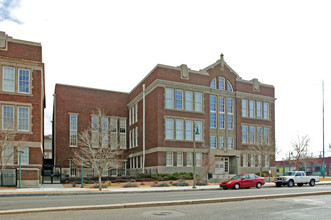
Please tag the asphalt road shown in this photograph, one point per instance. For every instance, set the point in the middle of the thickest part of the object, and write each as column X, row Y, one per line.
column 25, row 202
column 308, row 207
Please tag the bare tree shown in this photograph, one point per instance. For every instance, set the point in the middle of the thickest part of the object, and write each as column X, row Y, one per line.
column 94, row 143
column 300, row 148
column 261, row 152
column 8, row 142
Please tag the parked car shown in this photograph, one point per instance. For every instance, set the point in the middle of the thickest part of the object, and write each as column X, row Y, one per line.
column 296, row 177
column 243, row 181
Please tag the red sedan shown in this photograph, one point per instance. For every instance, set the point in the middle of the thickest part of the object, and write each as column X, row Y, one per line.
column 243, row 181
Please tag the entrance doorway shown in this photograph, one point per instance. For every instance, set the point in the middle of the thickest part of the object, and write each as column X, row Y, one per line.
column 51, row 174
column 221, row 165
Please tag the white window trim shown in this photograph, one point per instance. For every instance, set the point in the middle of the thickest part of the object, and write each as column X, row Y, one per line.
column 18, row 81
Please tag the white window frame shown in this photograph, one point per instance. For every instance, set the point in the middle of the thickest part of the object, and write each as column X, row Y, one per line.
column 179, row 129
column 189, row 159
column 188, row 100
column 252, row 160
column 245, row 160
column 12, row 120
column 24, row 156
column 18, row 81
column 244, row 108
column 180, row 99
column 266, row 108
column 169, row 159
column 179, row 159
column 198, row 159
column 26, row 120
column 169, row 98
column 221, row 112
column 213, row 142
column 11, row 88
column 169, row 131
column 198, row 101
column 251, row 108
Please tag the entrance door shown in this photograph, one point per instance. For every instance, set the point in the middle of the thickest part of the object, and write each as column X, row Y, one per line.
column 221, row 165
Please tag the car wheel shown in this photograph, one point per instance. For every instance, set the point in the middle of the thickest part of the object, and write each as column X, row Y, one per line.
column 290, row 183
column 259, row 185
column 278, row 185
column 312, row 182
column 300, row 184
column 236, row 186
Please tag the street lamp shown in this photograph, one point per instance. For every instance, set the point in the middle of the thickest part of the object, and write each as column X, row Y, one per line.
column 196, row 131
column 19, row 164
column 82, row 156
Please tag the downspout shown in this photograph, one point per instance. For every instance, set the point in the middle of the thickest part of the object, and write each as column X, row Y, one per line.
column 143, row 165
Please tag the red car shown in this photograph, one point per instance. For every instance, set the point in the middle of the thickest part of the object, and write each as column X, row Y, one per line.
column 243, row 181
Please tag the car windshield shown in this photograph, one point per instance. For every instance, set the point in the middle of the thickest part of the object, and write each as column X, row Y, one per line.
column 292, row 173
column 236, row 177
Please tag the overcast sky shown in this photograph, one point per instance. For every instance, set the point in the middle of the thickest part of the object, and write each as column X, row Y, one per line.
column 113, row 45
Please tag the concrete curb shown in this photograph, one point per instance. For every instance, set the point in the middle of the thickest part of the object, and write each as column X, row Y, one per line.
column 157, row 204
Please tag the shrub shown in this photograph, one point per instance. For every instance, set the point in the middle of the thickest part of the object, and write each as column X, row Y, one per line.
column 108, row 183
column 180, row 182
column 163, row 184
column 96, row 186
column 130, row 184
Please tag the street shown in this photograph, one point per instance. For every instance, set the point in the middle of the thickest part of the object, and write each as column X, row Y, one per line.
column 25, row 202
column 307, row 207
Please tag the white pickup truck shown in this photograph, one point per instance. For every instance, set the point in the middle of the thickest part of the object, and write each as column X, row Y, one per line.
column 296, row 177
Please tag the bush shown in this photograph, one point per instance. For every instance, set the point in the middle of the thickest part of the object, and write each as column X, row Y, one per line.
column 180, row 182
column 163, row 184
column 96, row 186
column 129, row 184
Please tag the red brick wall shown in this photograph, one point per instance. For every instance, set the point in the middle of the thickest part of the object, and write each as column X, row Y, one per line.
column 22, row 52
column 84, row 101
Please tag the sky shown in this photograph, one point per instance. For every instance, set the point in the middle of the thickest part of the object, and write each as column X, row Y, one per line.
column 113, row 45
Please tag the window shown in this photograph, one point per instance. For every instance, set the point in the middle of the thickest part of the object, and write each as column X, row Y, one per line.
column 122, row 133
column 24, row 155
column 23, row 118
column 188, row 130
column 252, row 109
column 199, row 126
column 179, row 129
column 213, row 142
column 169, row 159
column 189, row 159
column 230, row 114
column 230, row 143
column 169, row 98
column 7, row 117
column 259, row 135
column 266, row 161
column 136, row 139
column 188, row 101
column 95, row 131
column 229, row 87
column 251, row 134
column 8, row 156
column 221, row 82
column 259, row 160
column 104, row 125
column 265, row 110
column 221, row 142
column 244, row 134
column 213, row 111
column 179, row 99
column 23, row 81
column 259, row 110
column 244, row 108
column 221, row 112
column 113, row 133
column 198, row 159
column 169, row 128
column 8, row 77
column 252, row 160
column 213, row 84
column 136, row 113
column 73, row 129
column 197, row 101
column 179, row 159
column 266, row 135
column 245, row 160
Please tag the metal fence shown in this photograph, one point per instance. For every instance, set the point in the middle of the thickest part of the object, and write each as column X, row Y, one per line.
column 8, row 177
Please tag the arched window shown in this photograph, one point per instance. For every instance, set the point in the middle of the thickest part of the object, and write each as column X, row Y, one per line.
column 229, row 86
column 213, row 84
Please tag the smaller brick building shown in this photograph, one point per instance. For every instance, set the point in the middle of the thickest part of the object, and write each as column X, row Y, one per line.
column 22, row 103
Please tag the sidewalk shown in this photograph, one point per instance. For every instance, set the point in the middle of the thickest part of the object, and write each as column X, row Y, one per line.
column 58, row 189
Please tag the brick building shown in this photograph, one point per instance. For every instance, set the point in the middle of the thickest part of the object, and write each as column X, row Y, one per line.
column 22, row 99
column 163, row 111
